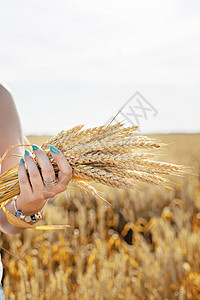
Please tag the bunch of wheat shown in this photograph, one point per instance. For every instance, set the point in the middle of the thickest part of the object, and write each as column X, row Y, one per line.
column 111, row 155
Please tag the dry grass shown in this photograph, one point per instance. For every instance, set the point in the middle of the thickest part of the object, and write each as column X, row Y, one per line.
column 146, row 246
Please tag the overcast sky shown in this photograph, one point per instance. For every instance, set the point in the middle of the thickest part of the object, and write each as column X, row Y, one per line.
column 78, row 62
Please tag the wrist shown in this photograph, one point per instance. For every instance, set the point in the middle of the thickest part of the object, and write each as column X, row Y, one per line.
column 29, row 216
column 28, row 208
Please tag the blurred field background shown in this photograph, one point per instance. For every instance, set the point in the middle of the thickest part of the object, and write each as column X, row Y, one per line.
column 145, row 246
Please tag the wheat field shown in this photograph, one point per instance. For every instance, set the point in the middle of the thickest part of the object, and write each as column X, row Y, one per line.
column 145, row 245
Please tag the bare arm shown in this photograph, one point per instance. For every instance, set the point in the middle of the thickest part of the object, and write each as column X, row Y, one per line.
column 34, row 192
column 10, row 134
column 10, row 129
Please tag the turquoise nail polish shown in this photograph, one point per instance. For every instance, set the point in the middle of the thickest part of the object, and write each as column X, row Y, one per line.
column 35, row 147
column 27, row 152
column 62, row 131
column 21, row 161
column 53, row 149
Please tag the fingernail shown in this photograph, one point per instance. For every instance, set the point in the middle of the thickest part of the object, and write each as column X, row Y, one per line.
column 35, row 147
column 21, row 161
column 53, row 149
column 27, row 152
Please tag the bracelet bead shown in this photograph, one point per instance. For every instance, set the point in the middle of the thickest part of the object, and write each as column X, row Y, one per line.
column 32, row 218
column 18, row 213
column 27, row 219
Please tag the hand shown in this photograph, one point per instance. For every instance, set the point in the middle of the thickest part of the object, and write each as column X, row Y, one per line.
column 33, row 196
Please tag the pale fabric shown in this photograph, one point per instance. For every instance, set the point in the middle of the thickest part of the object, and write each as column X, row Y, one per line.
column 1, row 293
column 1, row 266
column 1, row 270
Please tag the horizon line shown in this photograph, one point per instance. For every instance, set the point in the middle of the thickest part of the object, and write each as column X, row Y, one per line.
column 145, row 132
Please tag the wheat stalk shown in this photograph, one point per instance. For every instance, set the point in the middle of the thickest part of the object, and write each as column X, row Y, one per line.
column 111, row 155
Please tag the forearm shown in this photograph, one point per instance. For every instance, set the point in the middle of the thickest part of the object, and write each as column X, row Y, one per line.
column 36, row 188
column 10, row 130
column 10, row 134
column 6, row 227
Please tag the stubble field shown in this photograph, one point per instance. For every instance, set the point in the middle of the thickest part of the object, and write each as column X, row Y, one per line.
column 146, row 245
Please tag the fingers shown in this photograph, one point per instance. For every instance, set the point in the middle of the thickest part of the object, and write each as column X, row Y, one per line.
column 35, row 188
column 65, row 173
column 34, row 174
column 59, row 157
column 48, row 173
column 31, row 196
column 23, row 179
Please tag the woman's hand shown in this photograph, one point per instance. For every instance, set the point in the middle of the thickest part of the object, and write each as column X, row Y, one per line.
column 33, row 196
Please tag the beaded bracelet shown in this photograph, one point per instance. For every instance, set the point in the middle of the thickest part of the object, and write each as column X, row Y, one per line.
column 32, row 218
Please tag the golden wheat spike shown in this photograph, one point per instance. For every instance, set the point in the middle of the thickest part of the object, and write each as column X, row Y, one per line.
column 112, row 155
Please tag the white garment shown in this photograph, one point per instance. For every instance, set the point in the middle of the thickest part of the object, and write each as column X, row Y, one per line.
column 1, row 266
column 1, row 269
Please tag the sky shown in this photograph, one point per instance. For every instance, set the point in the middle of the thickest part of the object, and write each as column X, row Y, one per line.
column 78, row 62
